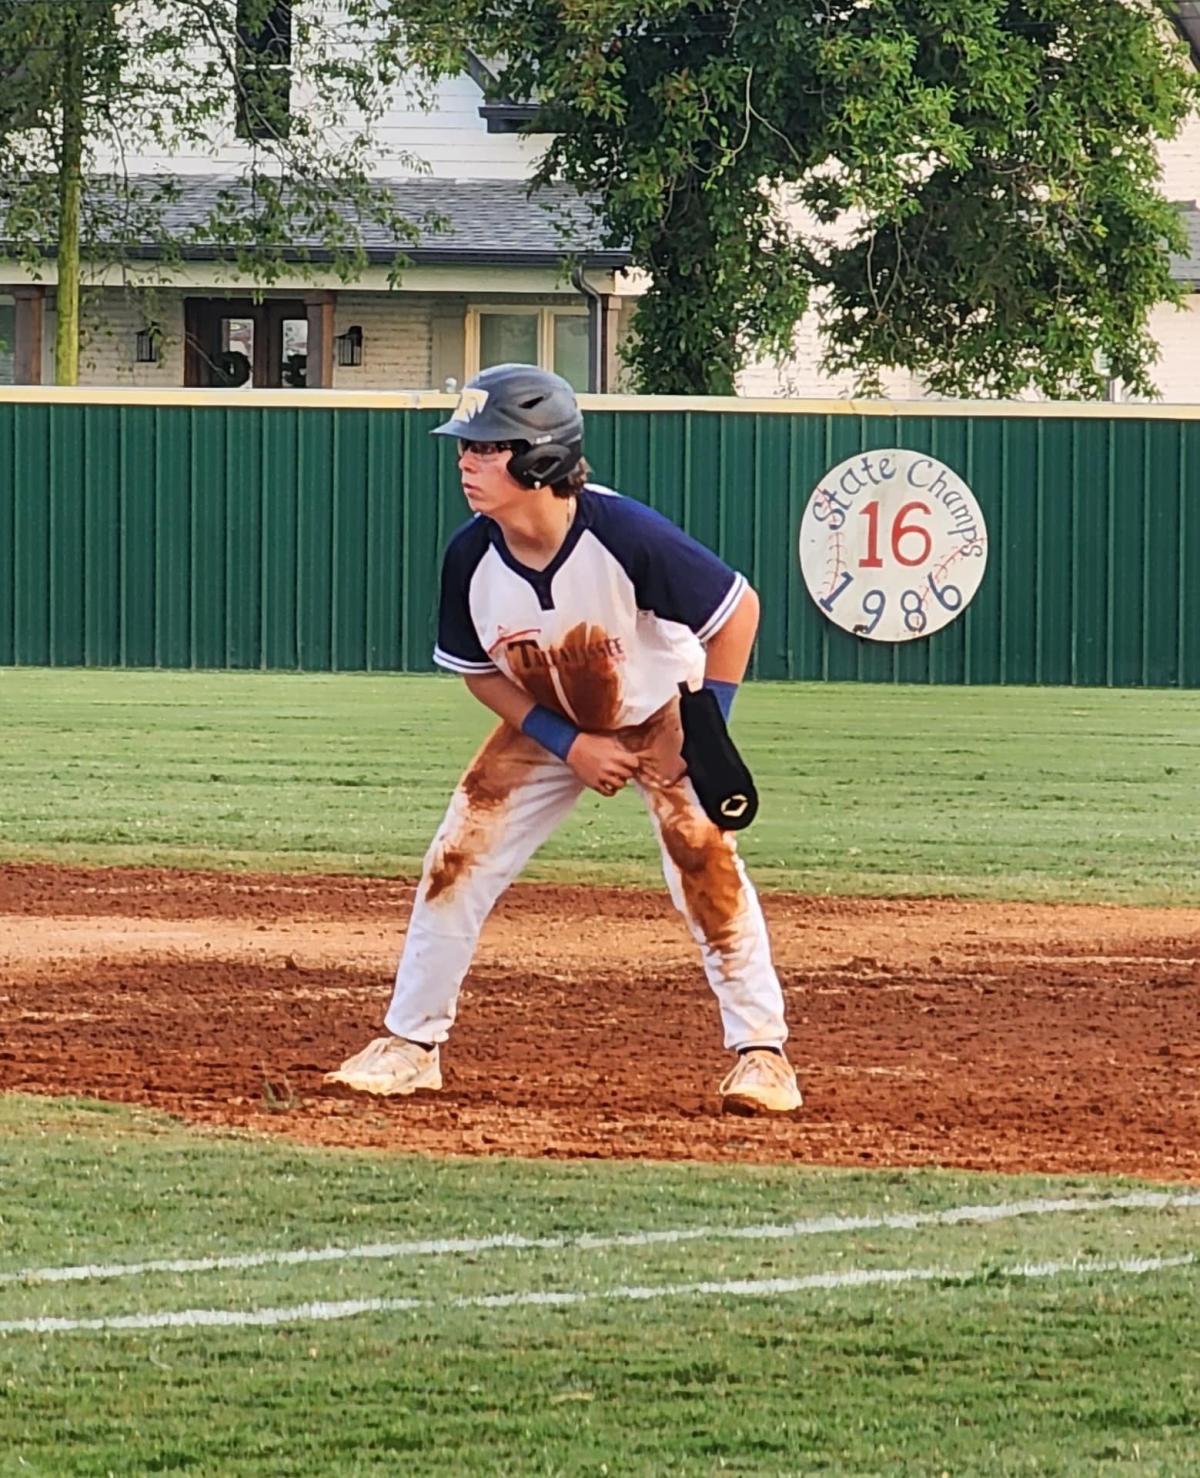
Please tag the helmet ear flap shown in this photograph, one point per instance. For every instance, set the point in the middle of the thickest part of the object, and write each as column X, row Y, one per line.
column 537, row 466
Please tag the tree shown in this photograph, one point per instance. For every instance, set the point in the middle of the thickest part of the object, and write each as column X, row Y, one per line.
column 86, row 82
column 991, row 166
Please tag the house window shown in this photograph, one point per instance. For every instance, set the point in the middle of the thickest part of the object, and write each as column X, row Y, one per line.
column 571, row 339
column 264, row 68
column 555, row 338
column 8, row 334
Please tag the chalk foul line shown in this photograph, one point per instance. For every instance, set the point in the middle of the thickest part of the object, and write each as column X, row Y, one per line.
column 307, row 1313
column 512, row 1241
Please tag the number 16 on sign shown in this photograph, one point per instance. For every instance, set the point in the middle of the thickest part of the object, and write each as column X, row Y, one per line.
column 893, row 545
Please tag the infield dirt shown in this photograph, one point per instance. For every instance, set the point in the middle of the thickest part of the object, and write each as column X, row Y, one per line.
column 1014, row 1037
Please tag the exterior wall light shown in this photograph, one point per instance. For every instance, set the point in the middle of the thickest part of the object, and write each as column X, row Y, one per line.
column 350, row 346
column 146, row 345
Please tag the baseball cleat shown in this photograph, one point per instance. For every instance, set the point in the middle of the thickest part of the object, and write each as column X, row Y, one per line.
column 760, row 1082
column 390, row 1067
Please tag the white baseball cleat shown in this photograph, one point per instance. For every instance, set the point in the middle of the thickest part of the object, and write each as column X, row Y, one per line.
column 760, row 1082
column 391, row 1067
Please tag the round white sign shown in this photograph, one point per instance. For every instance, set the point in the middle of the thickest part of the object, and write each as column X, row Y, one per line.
column 892, row 545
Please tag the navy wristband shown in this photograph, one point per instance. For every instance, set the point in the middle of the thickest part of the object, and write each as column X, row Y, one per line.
column 723, row 692
column 550, row 729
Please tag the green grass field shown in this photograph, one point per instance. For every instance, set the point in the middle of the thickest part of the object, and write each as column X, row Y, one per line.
column 983, row 792
column 500, row 1318
column 328, row 1313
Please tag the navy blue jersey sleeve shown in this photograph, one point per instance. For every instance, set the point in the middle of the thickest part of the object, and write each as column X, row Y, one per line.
column 673, row 575
column 458, row 648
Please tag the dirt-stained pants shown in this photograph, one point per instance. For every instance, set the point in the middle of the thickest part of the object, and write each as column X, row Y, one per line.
column 512, row 797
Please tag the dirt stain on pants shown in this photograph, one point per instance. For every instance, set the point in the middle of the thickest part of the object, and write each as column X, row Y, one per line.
column 477, row 812
column 706, row 857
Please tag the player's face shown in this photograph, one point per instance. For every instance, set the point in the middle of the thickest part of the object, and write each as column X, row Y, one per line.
column 486, row 484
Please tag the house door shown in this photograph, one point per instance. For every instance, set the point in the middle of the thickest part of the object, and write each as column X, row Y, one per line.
column 230, row 342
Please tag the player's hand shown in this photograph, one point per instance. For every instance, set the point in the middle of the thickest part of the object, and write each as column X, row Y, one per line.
column 602, row 762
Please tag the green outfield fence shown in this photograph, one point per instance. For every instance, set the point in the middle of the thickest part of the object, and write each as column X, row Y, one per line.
column 303, row 530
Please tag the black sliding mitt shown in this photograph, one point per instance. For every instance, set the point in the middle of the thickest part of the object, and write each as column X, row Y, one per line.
column 717, row 771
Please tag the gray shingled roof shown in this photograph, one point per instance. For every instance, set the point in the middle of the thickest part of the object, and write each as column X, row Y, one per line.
column 490, row 222
column 1187, row 269
column 484, row 222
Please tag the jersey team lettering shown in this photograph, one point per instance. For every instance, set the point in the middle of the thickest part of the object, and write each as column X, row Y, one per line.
column 893, row 545
column 525, row 654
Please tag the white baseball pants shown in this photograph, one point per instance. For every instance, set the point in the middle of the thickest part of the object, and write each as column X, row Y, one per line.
column 512, row 797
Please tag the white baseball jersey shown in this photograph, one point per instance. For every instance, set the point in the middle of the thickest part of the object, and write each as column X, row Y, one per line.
column 607, row 631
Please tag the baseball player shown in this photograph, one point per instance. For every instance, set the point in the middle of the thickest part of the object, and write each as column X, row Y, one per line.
column 575, row 615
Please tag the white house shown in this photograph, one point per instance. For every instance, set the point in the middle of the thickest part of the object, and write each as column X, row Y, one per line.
column 503, row 276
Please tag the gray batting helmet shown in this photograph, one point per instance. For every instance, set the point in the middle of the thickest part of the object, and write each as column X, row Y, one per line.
column 531, row 407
